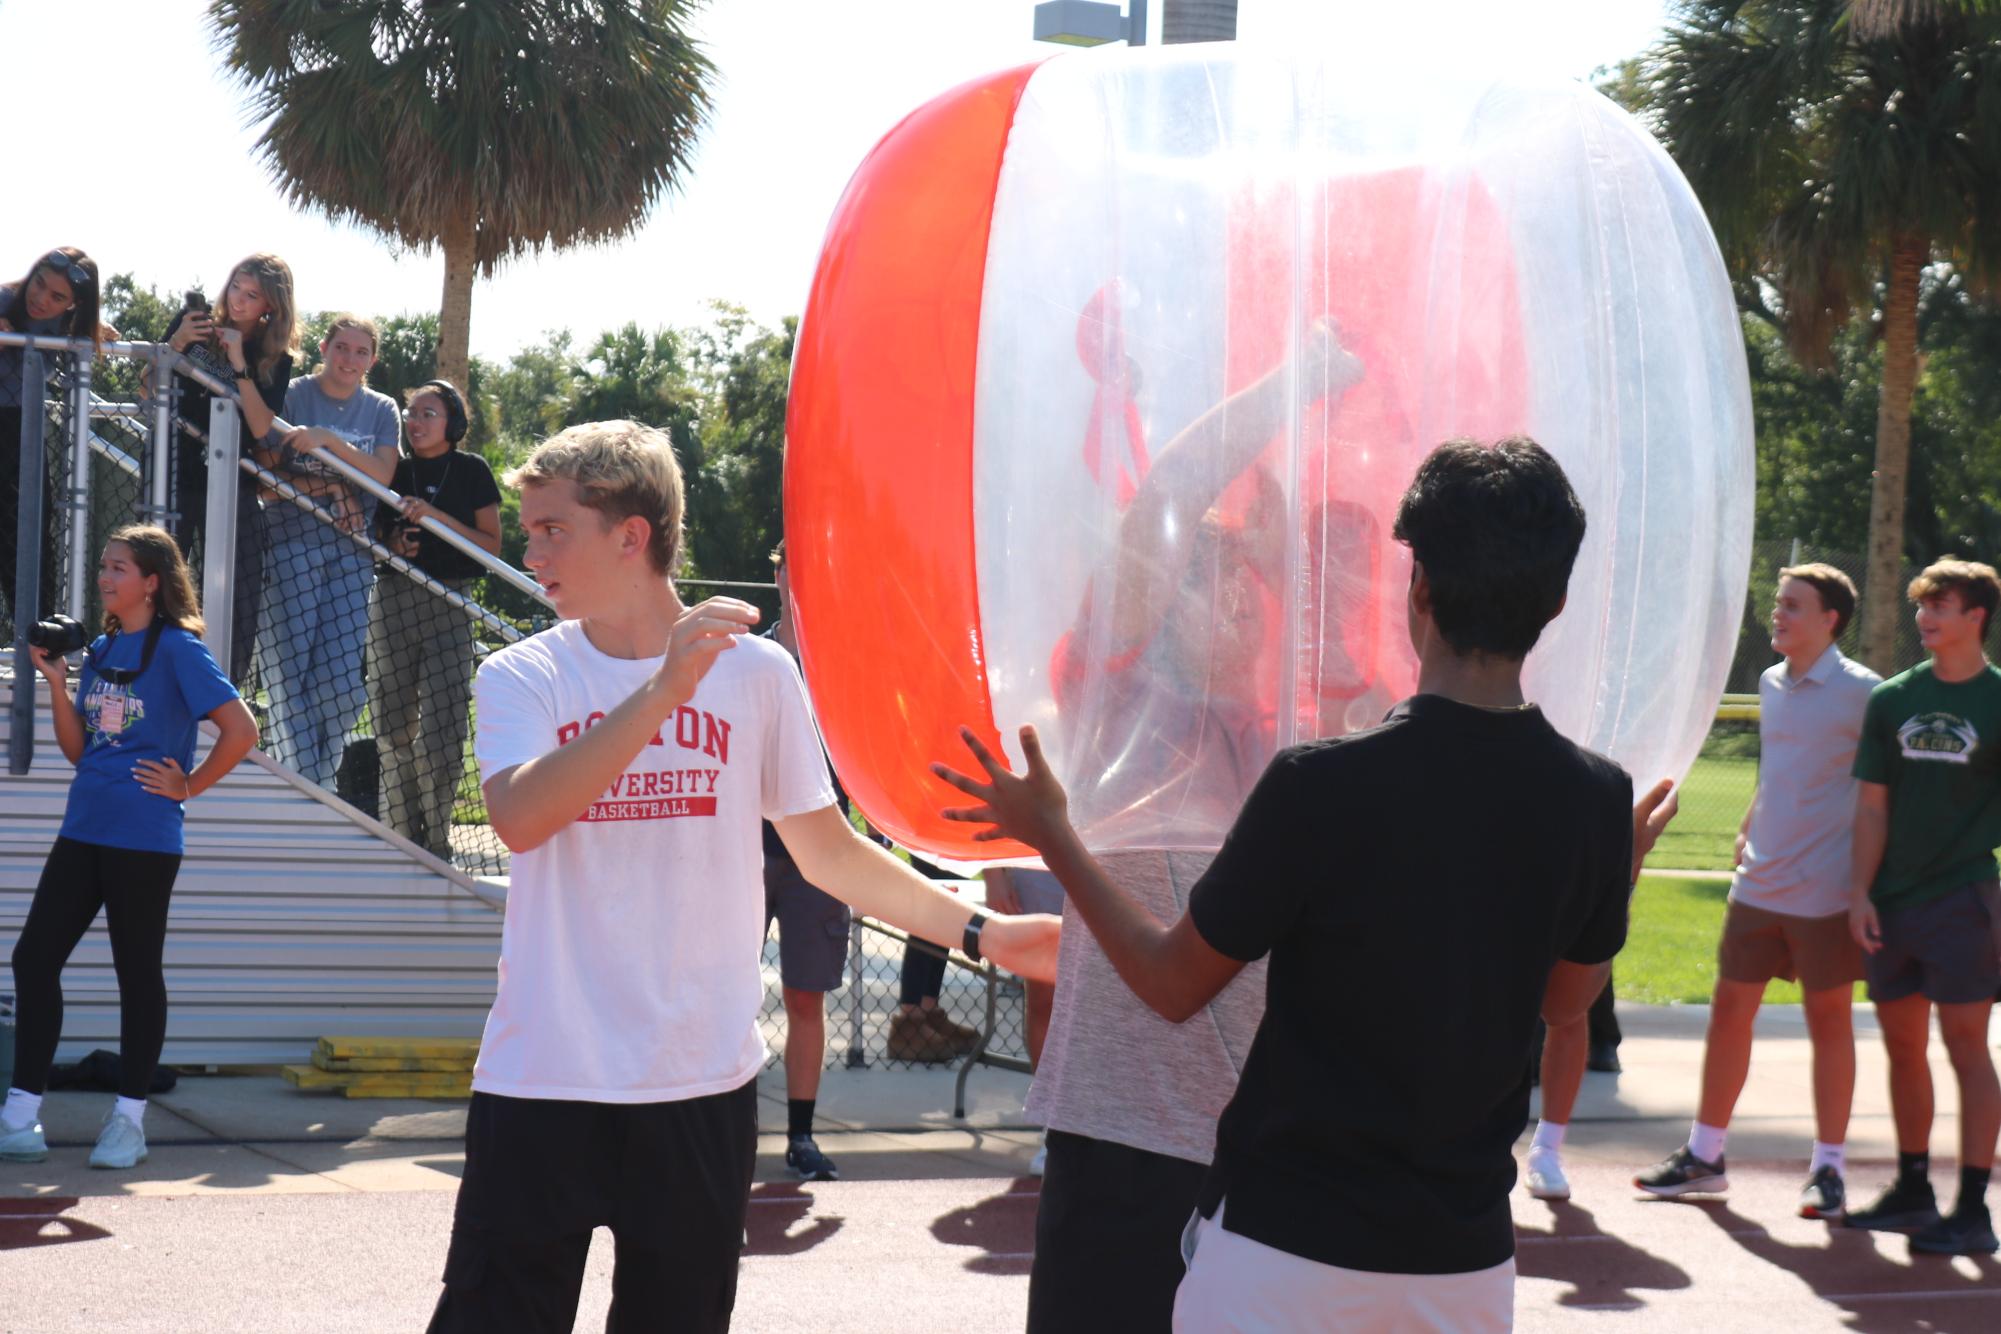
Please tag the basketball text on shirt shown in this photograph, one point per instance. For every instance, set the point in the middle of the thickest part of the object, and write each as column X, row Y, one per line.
column 663, row 794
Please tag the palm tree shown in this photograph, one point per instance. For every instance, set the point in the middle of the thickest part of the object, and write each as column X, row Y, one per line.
column 1837, row 168
column 486, row 129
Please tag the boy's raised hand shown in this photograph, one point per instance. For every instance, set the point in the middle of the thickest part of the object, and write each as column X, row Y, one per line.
column 700, row 633
column 1030, row 808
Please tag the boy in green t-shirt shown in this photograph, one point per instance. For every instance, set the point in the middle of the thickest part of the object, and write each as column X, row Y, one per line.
column 1924, row 904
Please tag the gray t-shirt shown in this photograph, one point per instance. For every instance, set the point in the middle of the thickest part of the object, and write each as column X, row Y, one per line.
column 1114, row 1070
column 366, row 419
column 1797, row 849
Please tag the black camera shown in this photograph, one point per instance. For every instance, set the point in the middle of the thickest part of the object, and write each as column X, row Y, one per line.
column 58, row 635
column 196, row 303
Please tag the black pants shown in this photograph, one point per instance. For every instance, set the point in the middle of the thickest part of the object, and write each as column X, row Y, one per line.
column 10, row 519
column 1108, row 1237
column 133, row 889
column 670, row 1179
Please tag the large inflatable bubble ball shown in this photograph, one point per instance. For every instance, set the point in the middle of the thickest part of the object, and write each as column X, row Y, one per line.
column 1113, row 371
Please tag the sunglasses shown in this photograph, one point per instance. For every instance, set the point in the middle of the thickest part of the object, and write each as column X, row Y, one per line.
column 77, row 274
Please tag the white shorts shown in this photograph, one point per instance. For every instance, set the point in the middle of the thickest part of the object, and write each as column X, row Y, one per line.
column 1246, row 1287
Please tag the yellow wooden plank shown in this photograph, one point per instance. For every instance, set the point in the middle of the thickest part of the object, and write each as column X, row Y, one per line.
column 403, row 1086
column 383, row 1064
column 351, row 1048
column 306, row 1077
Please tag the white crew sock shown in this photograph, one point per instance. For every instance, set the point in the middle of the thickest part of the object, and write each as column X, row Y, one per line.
column 1828, row 1155
column 22, row 1108
column 1548, row 1135
column 133, row 1110
column 1706, row 1142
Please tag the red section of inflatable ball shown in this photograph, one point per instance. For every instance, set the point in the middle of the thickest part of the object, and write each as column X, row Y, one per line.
column 1362, row 251
column 880, row 423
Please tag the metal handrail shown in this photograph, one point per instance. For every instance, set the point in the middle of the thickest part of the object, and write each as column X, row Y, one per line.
column 162, row 354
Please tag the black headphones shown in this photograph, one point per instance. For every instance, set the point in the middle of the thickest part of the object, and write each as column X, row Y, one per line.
column 455, row 407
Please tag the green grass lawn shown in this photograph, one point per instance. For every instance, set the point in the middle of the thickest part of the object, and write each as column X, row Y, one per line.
column 1713, row 802
column 1670, row 954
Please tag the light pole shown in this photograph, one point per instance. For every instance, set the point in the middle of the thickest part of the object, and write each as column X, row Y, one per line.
column 1089, row 23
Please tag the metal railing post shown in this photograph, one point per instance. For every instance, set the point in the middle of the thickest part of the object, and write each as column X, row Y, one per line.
column 160, row 493
column 218, row 562
column 26, row 592
column 79, row 488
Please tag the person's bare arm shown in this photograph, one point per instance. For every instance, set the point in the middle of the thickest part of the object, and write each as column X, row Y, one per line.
column 483, row 532
column 378, row 464
column 1171, row 968
column 530, row 803
column 1871, row 836
column 1157, row 532
column 871, row 880
column 69, row 723
column 1573, row 986
column 1744, row 832
column 236, row 733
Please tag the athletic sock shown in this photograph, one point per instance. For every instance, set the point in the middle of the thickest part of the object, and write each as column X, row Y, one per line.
column 799, row 1117
column 1972, row 1189
column 1828, row 1155
column 132, row 1109
column 1706, row 1142
column 22, row 1108
column 1548, row 1135
column 1914, row 1167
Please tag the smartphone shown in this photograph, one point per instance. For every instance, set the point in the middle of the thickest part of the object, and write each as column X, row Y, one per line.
column 197, row 304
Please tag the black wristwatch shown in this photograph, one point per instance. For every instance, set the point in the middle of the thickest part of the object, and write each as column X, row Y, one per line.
column 969, row 944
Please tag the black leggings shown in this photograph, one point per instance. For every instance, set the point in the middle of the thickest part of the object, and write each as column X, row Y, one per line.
column 133, row 888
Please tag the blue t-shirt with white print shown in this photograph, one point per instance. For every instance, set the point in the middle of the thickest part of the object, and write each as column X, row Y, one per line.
column 151, row 718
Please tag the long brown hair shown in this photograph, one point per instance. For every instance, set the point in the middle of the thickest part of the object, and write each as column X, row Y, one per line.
column 278, row 332
column 82, row 319
column 155, row 552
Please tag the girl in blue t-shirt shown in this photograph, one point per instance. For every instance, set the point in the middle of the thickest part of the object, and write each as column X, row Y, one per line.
column 130, row 732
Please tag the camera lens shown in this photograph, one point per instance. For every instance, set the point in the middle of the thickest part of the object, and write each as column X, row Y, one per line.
column 58, row 635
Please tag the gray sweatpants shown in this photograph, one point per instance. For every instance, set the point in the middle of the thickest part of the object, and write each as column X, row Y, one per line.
column 419, row 698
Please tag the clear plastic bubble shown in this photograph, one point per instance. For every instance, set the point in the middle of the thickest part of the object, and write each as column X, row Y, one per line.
column 1228, row 301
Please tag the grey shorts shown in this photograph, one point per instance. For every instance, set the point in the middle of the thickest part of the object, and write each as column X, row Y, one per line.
column 1039, row 891
column 812, row 929
column 1948, row 949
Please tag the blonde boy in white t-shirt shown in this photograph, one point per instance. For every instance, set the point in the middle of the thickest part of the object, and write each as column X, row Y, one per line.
column 627, row 756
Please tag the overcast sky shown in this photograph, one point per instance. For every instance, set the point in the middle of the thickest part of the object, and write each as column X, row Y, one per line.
column 166, row 187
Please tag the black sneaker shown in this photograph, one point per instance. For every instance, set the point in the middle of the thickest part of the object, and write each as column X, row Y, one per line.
column 1824, row 1197
column 805, row 1161
column 1682, row 1173
column 1905, row 1207
column 1961, row 1232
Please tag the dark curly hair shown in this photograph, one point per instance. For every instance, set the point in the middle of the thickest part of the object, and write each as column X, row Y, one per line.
column 1496, row 531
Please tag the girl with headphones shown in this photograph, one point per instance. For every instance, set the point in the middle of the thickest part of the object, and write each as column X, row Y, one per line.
column 130, row 731
column 420, row 648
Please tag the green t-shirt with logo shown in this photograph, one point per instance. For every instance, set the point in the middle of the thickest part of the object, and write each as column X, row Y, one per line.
column 1937, row 747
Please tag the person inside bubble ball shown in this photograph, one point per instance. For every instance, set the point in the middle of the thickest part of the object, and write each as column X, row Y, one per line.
column 1130, row 1100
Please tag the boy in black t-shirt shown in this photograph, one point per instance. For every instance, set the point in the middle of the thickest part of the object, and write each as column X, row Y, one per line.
column 1362, row 1170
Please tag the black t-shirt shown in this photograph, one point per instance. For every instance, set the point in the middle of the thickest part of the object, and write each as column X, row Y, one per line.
column 457, row 482
column 192, row 469
column 1414, row 884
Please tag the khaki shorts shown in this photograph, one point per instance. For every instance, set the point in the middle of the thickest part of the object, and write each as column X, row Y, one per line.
column 1757, row 946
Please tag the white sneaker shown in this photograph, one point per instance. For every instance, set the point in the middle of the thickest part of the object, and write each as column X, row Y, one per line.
column 1040, row 1161
column 119, row 1144
column 24, row 1144
column 1545, row 1179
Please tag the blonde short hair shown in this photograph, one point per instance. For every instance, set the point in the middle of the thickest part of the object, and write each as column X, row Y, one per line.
column 622, row 469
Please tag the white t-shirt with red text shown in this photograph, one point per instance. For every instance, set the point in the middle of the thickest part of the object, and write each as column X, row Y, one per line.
column 629, row 958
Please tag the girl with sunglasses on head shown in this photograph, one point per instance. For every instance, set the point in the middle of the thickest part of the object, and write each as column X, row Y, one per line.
column 249, row 342
column 58, row 297
column 130, row 731
column 420, row 650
